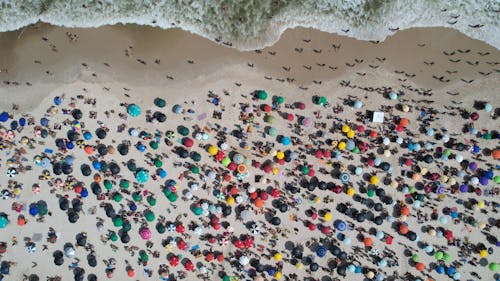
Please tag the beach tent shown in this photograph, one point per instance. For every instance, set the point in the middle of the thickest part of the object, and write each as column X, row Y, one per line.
column 378, row 117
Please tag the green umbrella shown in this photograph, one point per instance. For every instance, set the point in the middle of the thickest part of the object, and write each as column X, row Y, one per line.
column 160, row 102
column 370, row 193
column 142, row 176
column 137, row 196
column 104, row 166
column 356, row 150
column 195, row 169
column 167, row 192
column 126, row 226
column 196, row 157
column 493, row 266
column 197, row 211
column 134, row 110
column 438, row 255
column 118, row 221
column 487, row 136
column 262, row 95
column 112, row 236
column 108, row 185
column 124, row 183
column 153, row 145
column 158, row 163
column 42, row 208
column 3, row 221
column 322, row 100
column 172, row 197
column 151, row 200
column 415, row 258
column 117, row 197
column 496, row 179
column 150, row 216
column 226, row 278
column 272, row 131
column 305, row 170
column 143, row 256
column 446, row 257
column 160, row 227
column 131, row 166
column 225, row 162
column 184, row 131
column 279, row 99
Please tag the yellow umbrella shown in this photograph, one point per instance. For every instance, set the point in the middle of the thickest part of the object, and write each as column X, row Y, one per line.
column 345, row 128
column 275, row 170
column 299, row 265
column 328, row 216
column 480, row 204
column 212, row 150
column 280, row 155
column 350, row 134
column 374, row 180
column 277, row 275
column 350, row 191
column 483, row 253
column 230, row 200
column 341, row 145
column 277, row 256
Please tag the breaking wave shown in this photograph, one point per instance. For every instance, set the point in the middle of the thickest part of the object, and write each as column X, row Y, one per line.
column 253, row 24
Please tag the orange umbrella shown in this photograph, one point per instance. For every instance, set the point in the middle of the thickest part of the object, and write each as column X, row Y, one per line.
column 209, row 257
column 420, row 266
column 130, row 273
column 368, row 241
column 403, row 122
column 403, row 228
column 220, row 257
column 496, row 154
column 89, row 149
column 21, row 220
column 405, row 210
column 97, row 178
column 259, row 203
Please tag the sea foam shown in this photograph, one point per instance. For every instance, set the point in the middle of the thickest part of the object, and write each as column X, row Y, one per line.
column 253, row 24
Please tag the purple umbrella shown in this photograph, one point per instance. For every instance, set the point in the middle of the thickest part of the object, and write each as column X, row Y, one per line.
column 464, row 188
column 483, row 181
column 473, row 166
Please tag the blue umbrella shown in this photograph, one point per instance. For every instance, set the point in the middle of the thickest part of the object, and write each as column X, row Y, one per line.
column 162, row 173
column 286, row 141
column 4, row 116
column 177, row 109
column 57, row 100
column 14, row 125
column 70, row 145
column 96, row 165
column 22, row 122
column 87, row 136
column 44, row 122
column 84, row 193
column 134, row 110
column 142, row 176
column 440, row 269
column 3, row 221
column 358, row 269
column 450, row 271
column 321, row 251
column 340, row 225
column 33, row 210
column 344, row 177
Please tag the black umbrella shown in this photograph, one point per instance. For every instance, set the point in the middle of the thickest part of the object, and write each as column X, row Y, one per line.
column 428, row 158
column 73, row 216
column 77, row 114
column 259, row 267
column 125, row 238
column 183, row 153
column 283, row 207
column 378, row 207
column 307, row 260
column 311, row 186
column 57, row 168
column 122, row 149
column 237, row 134
column 275, row 221
column 77, row 204
column 78, row 273
column 92, row 277
column 131, row 166
column 81, row 239
column 322, row 185
column 335, row 250
column 60, row 143
column 378, row 220
column 385, row 166
column 102, row 149
column 58, row 257
column 110, row 211
column 460, row 146
column 341, row 270
column 369, row 215
column 44, row 133
column 33, row 277
column 85, row 169
column 369, row 203
column 314, row 267
column 297, row 253
column 380, row 192
column 91, row 259
column 226, row 210
column 361, row 217
column 160, row 116
column 342, row 208
column 411, row 235
column 114, row 168
column 387, row 200
column 5, row 268
column 101, row 133
column 72, row 135
column 63, row 203
column 66, row 168
column 96, row 188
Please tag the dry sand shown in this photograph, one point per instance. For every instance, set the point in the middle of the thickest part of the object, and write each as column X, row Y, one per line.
column 103, row 64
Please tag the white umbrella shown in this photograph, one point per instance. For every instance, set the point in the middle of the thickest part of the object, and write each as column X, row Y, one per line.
column 212, row 174
column 188, row 195
column 239, row 199
column 203, row 270
column 204, row 206
column 194, row 187
column 244, row 260
column 198, row 230
column 387, row 141
column 245, row 215
column 205, row 136
column 224, row 146
column 69, row 252
column 251, row 189
column 399, row 140
column 254, row 229
column 198, row 136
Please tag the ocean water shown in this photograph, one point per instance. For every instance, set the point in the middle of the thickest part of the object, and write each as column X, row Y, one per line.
column 252, row 24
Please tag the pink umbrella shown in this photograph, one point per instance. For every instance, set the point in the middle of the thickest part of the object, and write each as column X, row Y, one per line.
column 145, row 233
column 306, row 121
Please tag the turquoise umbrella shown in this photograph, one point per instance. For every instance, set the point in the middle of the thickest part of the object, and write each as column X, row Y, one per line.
column 142, row 176
column 3, row 221
column 134, row 110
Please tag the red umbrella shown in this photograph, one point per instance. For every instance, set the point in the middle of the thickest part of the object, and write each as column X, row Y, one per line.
column 314, row 216
column 256, row 164
column 371, row 162
column 209, row 257
column 267, row 108
column 180, row 228
column 232, row 166
column 174, row 260
column 300, row 105
column 318, row 153
column 275, row 193
column 219, row 156
column 325, row 230
column 448, row 234
column 239, row 244
column 263, row 195
column 281, row 161
column 220, row 257
column 311, row 172
column 373, row 134
column 474, row 116
column 182, row 245
column 249, row 242
column 399, row 128
column 337, row 189
column 361, row 129
column 216, row 226
column 187, row 142
column 253, row 195
column 388, row 240
column 214, row 219
column 408, row 162
column 311, row 226
column 212, row 240
column 267, row 169
column 234, row 190
column 189, row 266
column 363, row 147
column 290, row 117
column 327, row 154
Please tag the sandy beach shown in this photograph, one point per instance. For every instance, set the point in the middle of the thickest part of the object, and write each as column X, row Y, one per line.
column 418, row 193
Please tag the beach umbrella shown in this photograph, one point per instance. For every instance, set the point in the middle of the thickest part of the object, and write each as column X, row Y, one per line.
column 100, row 133
column 177, row 109
column 275, row 221
column 321, row 251
column 3, row 221
column 142, row 176
column 340, row 225
column 243, row 260
column 261, row 94
column 134, row 110
column 145, row 233
column 125, row 238
column 313, row 267
column 182, row 130
column 160, row 102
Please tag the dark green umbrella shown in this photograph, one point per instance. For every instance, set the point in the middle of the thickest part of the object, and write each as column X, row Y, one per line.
column 160, row 227
column 108, row 185
column 112, row 236
column 160, row 102
column 172, row 197
column 153, row 145
column 262, row 95
column 117, row 197
column 150, row 216
column 137, row 196
column 158, row 163
column 198, row 211
column 195, row 169
column 131, row 166
column 124, row 183
column 118, row 221
column 151, row 200
column 126, row 226
column 184, row 131
column 196, row 156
